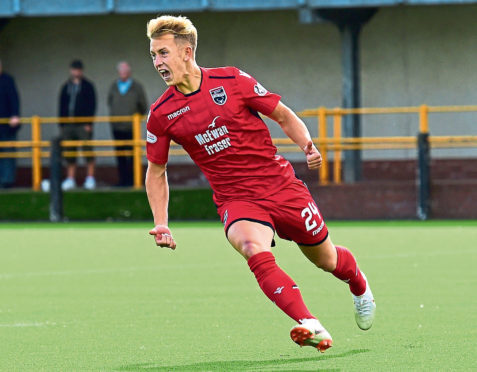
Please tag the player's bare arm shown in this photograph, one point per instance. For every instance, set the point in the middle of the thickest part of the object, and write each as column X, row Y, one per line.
column 297, row 131
column 157, row 190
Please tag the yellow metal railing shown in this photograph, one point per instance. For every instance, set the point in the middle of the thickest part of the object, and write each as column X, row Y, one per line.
column 36, row 144
column 335, row 144
column 338, row 143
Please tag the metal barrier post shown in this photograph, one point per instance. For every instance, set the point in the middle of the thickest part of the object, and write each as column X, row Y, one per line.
column 137, row 151
column 56, row 194
column 424, row 165
column 337, row 154
column 324, row 172
column 424, row 119
column 36, row 152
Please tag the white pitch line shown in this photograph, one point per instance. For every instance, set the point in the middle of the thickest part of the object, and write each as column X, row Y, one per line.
column 32, row 324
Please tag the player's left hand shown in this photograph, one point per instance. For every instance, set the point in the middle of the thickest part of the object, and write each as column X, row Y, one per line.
column 313, row 156
column 163, row 237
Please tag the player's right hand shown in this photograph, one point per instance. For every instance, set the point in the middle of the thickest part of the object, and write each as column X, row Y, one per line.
column 163, row 237
column 313, row 156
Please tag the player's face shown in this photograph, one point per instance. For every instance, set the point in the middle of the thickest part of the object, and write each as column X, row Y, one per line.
column 168, row 59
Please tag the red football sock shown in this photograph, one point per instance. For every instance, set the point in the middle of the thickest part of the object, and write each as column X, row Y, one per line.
column 348, row 271
column 278, row 286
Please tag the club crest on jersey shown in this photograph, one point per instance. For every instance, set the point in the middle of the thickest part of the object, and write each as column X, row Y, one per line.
column 218, row 95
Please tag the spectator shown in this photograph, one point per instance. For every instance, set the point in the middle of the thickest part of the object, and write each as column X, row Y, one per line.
column 126, row 97
column 77, row 98
column 9, row 108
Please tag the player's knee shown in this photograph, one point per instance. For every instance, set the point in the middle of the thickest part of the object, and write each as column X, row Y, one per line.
column 249, row 248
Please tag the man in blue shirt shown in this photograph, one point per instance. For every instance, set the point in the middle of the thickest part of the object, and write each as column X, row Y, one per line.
column 9, row 108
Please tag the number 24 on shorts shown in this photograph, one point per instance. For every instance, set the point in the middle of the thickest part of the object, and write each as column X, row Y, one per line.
column 307, row 213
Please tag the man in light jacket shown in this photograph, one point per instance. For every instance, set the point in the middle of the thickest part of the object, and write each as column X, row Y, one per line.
column 126, row 97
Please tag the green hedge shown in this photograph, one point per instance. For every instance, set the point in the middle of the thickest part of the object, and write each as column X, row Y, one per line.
column 184, row 204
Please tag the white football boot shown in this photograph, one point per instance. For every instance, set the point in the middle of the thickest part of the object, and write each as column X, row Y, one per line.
column 364, row 308
column 68, row 184
column 310, row 332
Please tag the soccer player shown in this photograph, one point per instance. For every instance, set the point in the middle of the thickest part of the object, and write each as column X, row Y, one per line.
column 213, row 114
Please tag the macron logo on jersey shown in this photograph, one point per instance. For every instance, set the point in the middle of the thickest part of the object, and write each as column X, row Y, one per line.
column 178, row 112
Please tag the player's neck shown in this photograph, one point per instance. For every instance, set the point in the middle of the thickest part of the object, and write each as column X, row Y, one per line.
column 191, row 80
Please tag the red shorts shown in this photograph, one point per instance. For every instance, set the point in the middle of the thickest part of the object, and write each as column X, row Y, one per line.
column 291, row 212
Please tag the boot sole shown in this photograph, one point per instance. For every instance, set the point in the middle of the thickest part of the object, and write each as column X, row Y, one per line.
column 304, row 337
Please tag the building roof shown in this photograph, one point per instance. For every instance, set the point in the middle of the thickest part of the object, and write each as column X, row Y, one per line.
column 14, row 8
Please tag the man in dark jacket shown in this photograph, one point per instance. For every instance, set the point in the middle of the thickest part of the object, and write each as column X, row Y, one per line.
column 77, row 98
column 126, row 97
column 9, row 109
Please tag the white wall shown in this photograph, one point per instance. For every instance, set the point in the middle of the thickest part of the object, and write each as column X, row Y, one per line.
column 416, row 55
column 410, row 56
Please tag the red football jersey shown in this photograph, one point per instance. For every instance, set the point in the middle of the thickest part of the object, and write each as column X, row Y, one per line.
column 219, row 127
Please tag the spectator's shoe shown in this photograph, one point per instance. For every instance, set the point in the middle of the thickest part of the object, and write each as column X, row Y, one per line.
column 364, row 308
column 89, row 183
column 311, row 333
column 68, row 184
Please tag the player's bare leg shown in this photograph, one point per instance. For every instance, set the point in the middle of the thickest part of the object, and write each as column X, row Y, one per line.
column 340, row 262
column 323, row 255
column 253, row 241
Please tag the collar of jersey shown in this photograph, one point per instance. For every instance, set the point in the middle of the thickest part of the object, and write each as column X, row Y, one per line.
column 196, row 91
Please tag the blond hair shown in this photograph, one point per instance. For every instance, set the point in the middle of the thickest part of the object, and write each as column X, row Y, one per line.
column 181, row 27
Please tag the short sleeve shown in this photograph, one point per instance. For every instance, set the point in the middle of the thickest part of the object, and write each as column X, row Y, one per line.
column 157, row 141
column 255, row 95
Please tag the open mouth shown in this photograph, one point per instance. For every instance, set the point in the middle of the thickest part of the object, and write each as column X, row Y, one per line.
column 166, row 75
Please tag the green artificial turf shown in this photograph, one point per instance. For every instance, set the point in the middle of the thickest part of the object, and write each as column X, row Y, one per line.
column 102, row 297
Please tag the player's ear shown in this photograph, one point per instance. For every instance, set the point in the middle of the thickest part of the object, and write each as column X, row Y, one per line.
column 188, row 54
